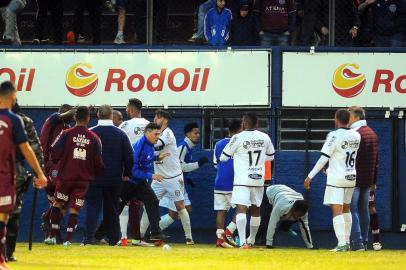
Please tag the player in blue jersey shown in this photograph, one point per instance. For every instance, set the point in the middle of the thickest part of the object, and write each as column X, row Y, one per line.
column 223, row 188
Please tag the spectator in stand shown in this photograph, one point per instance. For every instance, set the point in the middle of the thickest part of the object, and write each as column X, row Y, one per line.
column 312, row 24
column 388, row 17
column 9, row 14
column 217, row 24
column 364, row 37
column 56, row 9
column 201, row 14
column 244, row 29
column 94, row 9
column 346, row 22
column 277, row 21
column 121, row 7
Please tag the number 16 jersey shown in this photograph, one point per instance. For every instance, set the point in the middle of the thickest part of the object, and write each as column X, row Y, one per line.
column 249, row 149
column 341, row 148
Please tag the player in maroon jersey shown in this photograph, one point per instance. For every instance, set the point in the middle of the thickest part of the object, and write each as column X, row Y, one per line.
column 12, row 134
column 77, row 152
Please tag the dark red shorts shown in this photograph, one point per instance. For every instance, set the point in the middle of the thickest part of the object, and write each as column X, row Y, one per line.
column 7, row 194
column 71, row 193
column 51, row 172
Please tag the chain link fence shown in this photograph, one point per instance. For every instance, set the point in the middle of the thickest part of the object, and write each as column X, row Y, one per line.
column 363, row 23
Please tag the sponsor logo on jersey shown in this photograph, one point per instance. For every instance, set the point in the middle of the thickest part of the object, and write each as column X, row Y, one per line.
column 255, row 176
column 79, row 153
column 351, row 177
column 79, row 81
column 62, row 196
column 246, row 145
column 6, row 200
column 79, row 202
column 350, row 144
column 347, row 82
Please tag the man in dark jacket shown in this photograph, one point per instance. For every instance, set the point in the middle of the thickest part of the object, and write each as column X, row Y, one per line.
column 104, row 191
column 366, row 166
column 244, row 29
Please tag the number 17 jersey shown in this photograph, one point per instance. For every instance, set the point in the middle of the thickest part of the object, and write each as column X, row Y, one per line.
column 341, row 148
column 249, row 149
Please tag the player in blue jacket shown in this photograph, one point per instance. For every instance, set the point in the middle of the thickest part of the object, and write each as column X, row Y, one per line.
column 217, row 24
column 223, row 188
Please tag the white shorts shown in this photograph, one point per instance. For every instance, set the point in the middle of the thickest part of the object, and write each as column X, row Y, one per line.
column 337, row 195
column 167, row 202
column 173, row 188
column 247, row 196
column 222, row 201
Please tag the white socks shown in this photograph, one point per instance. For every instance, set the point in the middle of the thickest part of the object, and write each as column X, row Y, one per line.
column 232, row 227
column 185, row 220
column 348, row 225
column 144, row 223
column 339, row 229
column 124, row 222
column 241, row 220
column 165, row 221
column 254, row 225
column 220, row 233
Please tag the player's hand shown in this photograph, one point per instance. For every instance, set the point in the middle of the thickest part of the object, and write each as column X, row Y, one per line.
column 157, row 177
column 126, row 178
column 161, row 156
column 202, row 161
column 41, row 182
column 307, row 182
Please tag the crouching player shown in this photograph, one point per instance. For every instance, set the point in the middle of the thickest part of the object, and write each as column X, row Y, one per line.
column 289, row 207
column 223, row 188
column 78, row 154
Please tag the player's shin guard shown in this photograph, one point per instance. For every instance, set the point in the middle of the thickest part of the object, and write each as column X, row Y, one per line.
column 185, row 220
column 339, row 229
column 165, row 221
column 56, row 217
column 124, row 222
column 348, row 224
column 254, row 225
column 241, row 220
column 375, row 227
column 72, row 224
column 3, row 232
column 144, row 223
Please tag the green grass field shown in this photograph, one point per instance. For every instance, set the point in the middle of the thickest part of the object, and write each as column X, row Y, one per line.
column 200, row 257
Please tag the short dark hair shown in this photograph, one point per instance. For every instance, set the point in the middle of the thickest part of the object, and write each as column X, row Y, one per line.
column 300, row 206
column 151, row 126
column 251, row 118
column 189, row 127
column 105, row 111
column 135, row 103
column 64, row 108
column 234, row 125
column 82, row 113
column 163, row 113
column 343, row 116
column 6, row 88
column 357, row 111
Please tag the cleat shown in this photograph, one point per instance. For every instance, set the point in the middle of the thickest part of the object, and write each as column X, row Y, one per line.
column 377, row 246
column 343, row 248
column 50, row 241
column 158, row 243
column 190, row 241
column 11, row 259
column 229, row 237
column 223, row 244
column 67, row 244
column 359, row 247
column 158, row 236
column 246, row 246
column 123, row 242
column 103, row 242
column 141, row 243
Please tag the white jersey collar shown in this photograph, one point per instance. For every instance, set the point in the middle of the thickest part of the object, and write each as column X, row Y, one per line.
column 359, row 123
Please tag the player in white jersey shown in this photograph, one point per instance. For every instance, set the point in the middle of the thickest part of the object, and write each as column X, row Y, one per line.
column 340, row 151
column 172, row 185
column 134, row 128
column 249, row 149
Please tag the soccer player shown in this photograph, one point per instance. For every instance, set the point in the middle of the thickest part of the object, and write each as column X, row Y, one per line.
column 134, row 128
column 172, row 183
column 53, row 126
column 12, row 134
column 137, row 186
column 117, row 118
column 78, row 154
column 287, row 206
column 223, row 187
column 185, row 150
column 249, row 149
column 340, row 151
